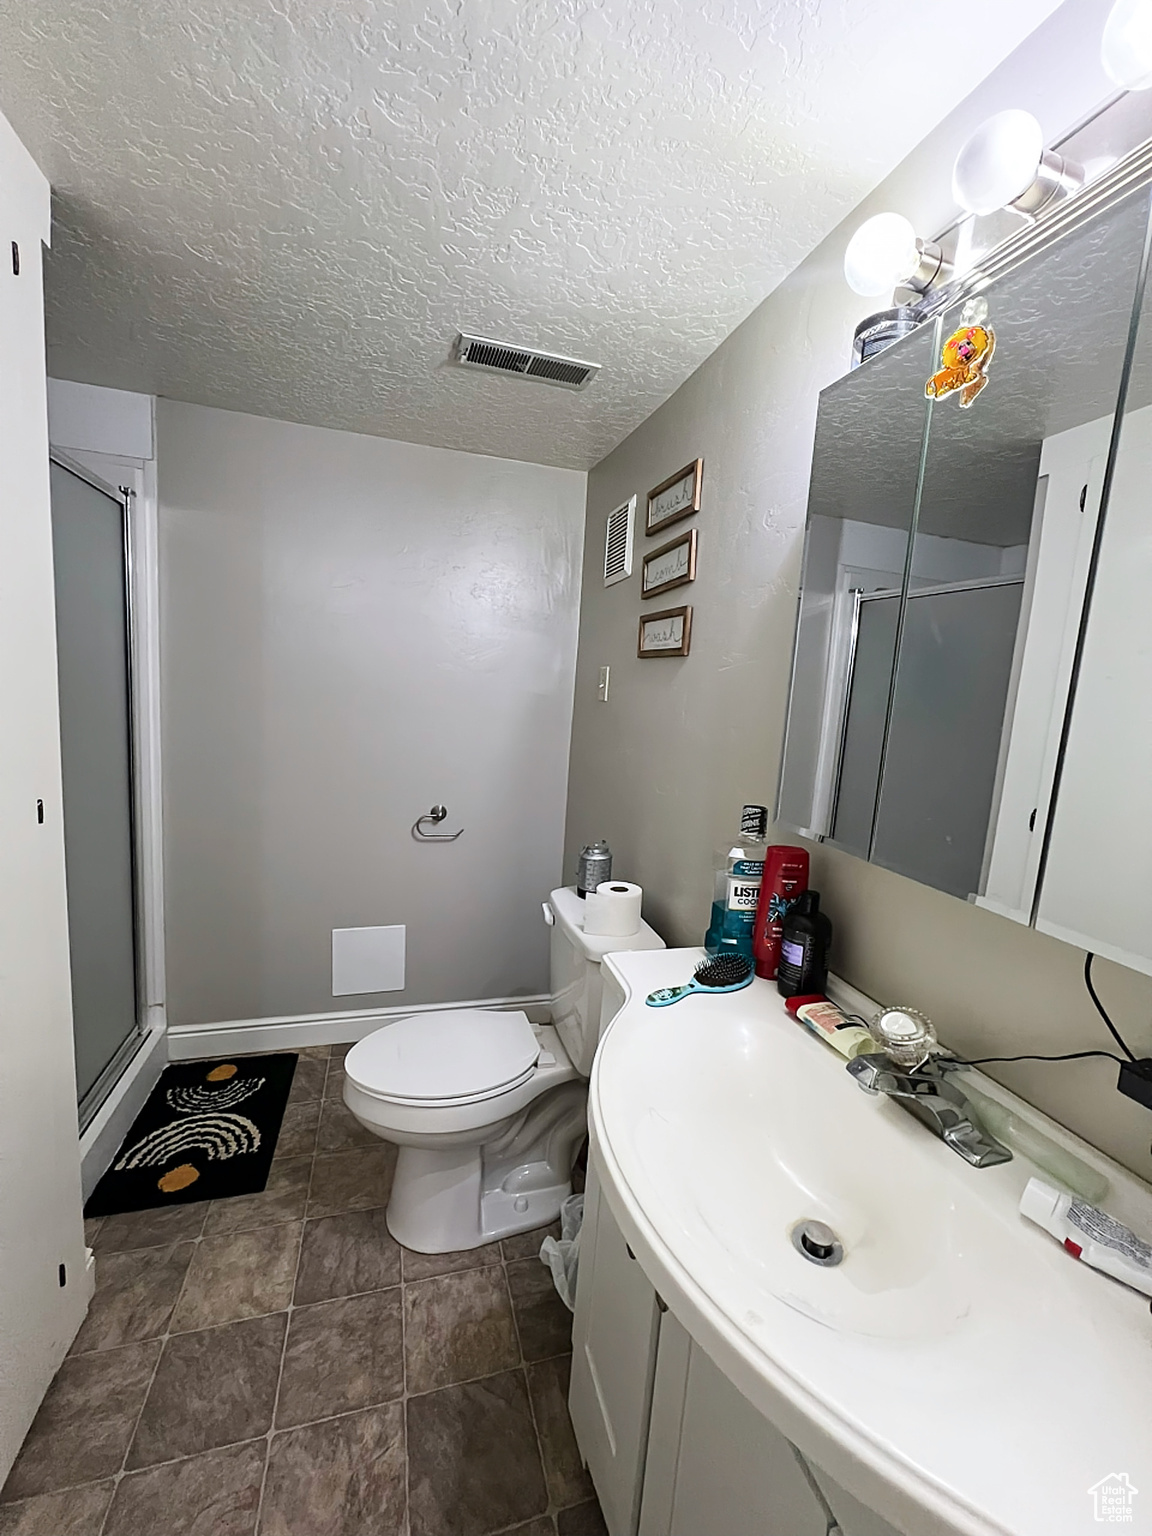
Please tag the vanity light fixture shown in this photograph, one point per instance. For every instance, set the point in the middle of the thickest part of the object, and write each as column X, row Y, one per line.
column 1126, row 45
column 886, row 253
column 1004, row 165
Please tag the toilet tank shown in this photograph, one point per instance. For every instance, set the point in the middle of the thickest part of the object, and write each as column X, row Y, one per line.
column 576, row 981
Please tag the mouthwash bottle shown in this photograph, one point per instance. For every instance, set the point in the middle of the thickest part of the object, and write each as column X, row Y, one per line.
column 739, row 870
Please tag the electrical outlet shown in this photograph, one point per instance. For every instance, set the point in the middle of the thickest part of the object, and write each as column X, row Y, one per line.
column 602, row 686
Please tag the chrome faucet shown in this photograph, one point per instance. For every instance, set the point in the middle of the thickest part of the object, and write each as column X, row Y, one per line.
column 928, row 1093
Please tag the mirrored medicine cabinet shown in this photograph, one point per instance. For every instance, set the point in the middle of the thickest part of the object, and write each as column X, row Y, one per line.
column 971, row 694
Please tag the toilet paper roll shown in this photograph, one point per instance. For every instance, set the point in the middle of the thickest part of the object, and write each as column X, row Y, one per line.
column 612, row 910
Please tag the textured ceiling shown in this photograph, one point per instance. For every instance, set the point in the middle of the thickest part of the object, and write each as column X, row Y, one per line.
column 289, row 207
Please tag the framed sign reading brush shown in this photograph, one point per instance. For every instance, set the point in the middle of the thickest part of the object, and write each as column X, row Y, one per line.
column 672, row 565
column 676, row 497
column 665, row 634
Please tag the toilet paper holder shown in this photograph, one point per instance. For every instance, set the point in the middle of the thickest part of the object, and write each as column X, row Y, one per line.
column 436, row 815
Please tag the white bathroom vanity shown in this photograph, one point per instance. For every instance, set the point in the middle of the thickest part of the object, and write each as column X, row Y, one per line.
column 957, row 1372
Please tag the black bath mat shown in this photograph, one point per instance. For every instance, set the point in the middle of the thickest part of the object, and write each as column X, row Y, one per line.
column 208, row 1131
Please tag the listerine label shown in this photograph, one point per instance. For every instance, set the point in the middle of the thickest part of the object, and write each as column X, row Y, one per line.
column 749, row 868
column 743, row 894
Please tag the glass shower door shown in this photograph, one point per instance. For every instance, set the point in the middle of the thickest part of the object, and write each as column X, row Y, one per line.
column 89, row 547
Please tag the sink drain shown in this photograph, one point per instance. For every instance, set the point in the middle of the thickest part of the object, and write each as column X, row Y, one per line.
column 817, row 1243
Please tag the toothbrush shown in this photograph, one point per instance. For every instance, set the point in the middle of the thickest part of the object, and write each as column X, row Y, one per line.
column 725, row 973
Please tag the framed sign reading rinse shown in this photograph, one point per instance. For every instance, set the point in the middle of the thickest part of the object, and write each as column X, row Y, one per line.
column 676, row 497
column 672, row 565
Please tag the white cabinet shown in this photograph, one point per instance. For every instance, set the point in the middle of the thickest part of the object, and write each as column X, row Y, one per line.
column 1096, row 892
column 850, row 1516
column 673, row 1448
column 716, row 1466
column 613, row 1359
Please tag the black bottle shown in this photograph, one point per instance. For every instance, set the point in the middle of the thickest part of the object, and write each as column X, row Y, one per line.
column 804, row 942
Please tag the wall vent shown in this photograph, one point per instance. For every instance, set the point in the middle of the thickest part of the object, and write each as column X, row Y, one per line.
column 618, row 543
column 503, row 357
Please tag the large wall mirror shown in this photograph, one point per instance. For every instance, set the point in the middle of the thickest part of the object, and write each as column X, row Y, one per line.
column 970, row 693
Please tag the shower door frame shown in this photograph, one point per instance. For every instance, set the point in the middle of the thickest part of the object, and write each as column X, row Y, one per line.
column 143, row 786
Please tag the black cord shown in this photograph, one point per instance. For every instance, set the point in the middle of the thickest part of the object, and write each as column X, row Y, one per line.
column 1112, row 1030
column 981, row 1061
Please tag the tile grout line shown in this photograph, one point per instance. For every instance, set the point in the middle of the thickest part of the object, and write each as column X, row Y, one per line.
column 119, row 1476
column 406, row 1395
column 549, row 1512
column 291, row 1305
column 404, row 1378
column 501, row 1259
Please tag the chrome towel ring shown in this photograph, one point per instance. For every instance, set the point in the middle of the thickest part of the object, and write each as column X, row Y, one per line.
column 436, row 815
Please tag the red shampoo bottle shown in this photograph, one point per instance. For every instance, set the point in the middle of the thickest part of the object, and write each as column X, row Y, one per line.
column 785, row 878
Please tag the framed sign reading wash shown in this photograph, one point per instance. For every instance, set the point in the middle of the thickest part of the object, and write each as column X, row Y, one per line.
column 665, row 634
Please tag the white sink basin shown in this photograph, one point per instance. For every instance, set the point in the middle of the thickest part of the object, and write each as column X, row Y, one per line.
column 957, row 1371
column 784, row 1158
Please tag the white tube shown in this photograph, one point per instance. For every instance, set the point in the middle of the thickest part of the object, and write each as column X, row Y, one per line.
column 1090, row 1234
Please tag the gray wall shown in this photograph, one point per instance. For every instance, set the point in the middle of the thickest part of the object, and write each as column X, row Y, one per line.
column 352, row 629
column 662, row 769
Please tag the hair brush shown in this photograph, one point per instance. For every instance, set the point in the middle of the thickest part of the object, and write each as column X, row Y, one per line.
column 724, row 973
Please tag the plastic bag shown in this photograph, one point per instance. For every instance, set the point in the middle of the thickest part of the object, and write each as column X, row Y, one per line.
column 562, row 1255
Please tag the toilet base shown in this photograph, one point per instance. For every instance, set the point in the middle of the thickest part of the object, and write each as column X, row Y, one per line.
column 450, row 1198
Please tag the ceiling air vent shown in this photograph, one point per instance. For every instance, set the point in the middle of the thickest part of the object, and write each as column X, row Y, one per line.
column 500, row 357
column 618, row 543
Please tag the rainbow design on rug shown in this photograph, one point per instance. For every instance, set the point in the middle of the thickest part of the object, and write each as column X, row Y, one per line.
column 192, row 1101
column 209, row 1129
column 217, row 1136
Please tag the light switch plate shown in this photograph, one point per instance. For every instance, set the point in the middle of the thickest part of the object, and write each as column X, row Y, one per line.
column 367, row 960
column 602, row 688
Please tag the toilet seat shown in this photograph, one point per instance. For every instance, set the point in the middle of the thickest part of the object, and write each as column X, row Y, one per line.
column 444, row 1059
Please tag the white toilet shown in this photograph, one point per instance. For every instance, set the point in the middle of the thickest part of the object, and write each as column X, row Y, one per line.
column 487, row 1109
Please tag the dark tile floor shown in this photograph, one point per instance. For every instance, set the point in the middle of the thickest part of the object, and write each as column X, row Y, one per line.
column 277, row 1364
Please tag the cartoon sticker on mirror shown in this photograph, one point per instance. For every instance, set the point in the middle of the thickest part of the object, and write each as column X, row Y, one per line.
column 964, row 357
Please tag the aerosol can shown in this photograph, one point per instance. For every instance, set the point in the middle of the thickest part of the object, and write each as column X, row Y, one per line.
column 594, row 867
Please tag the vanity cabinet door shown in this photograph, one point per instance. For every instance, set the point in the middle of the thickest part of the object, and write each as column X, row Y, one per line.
column 852, row 1518
column 613, row 1359
column 716, row 1466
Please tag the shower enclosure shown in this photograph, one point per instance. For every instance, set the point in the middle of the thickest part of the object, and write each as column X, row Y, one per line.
column 92, row 560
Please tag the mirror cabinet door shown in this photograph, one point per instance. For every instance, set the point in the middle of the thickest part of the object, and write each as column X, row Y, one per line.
column 861, row 506
column 1010, row 494
column 1096, row 890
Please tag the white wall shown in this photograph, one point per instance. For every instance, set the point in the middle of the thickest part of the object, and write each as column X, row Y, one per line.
column 84, row 418
column 40, row 1221
column 354, row 629
column 662, row 769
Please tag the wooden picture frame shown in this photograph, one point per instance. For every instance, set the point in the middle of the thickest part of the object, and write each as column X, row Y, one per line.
column 675, row 498
column 668, row 633
column 672, row 565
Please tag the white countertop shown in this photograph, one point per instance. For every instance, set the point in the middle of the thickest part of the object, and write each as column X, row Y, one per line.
column 960, row 1372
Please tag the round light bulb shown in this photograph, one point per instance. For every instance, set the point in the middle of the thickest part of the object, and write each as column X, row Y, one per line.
column 882, row 253
column 1126, row 46
column 999, row 162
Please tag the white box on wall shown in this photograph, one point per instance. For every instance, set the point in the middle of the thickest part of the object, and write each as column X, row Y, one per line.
column 367, row 960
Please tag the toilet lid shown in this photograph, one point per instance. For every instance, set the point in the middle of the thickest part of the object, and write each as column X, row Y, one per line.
column 432, row 1057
